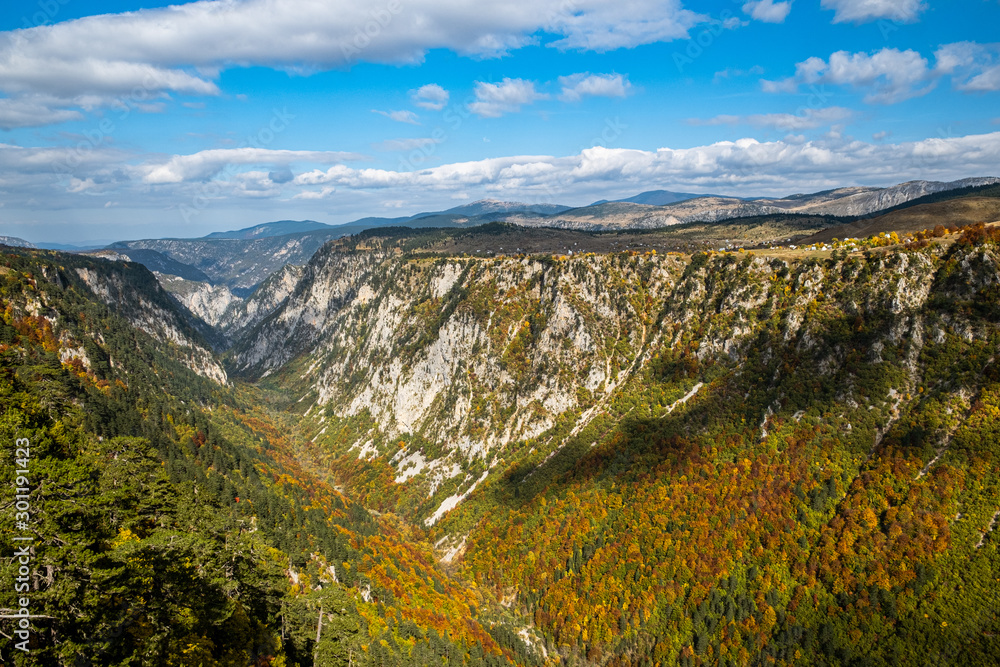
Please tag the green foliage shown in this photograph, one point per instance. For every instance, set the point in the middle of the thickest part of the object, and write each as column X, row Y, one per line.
column 799, row 467
column 173, row 522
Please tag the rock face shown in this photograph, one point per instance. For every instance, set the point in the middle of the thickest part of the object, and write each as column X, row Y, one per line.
column 865, row 201
column 15, row 242
column 207, row 301
column 474, row 355
column 240, row 264
column 843, row 202
column 135, row 294
column 227, row 314
column 243, row 314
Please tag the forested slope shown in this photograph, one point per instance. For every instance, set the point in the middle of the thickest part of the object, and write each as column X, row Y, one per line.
column 712, row 460
column 784, row 458
column 172, row 522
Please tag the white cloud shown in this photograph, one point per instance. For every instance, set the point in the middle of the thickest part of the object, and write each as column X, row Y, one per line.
column 183, row 47
column 76, row 185
column 205, row 164
column 864, row 11
column 973, row 67
column 402, row 116
column 138, row 57
column 987, row 81
column 495, row 99
column 576, row 86
column 36, row 188
column 33, row 111
column 722, row 119
column 29, row 63
column 768, row 11
column 786, row 122
column 316, row 194
column 29, row 161
column 599, row 25
column 431, row 96
column 745, row 166
column 398, row 145
column 890, row 74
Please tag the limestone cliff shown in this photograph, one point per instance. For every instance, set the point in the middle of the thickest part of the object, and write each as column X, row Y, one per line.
column 471, row 356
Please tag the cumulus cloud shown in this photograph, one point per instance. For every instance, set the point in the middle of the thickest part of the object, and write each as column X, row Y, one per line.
column 26, row 68
column 865, row 11
column 402, row 116
column 577, row 86
column 973, row 67
column 432, row 97
column 768, row 11
column 495, row 99
column 205, row 164
column 890, row 74
column 786, row 122
column 747, row 166
column 598, row 25
column 183, row 47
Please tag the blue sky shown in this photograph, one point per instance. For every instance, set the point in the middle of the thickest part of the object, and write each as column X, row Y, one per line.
column 137, row 119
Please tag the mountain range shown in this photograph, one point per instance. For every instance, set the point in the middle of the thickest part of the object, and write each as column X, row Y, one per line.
column 241, row 259
column 426, row 446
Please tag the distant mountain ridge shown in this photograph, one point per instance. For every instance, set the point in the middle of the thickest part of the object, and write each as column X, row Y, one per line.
column 279, row 228
column 654, row 198
column 15, row 242
column 154, row 261
column 845, row 202
column 493, row 206
column 652, row 208
column 480, row 208
column 242, row 259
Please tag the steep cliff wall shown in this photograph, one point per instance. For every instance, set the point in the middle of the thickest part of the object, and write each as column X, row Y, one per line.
column 471, row 353
column 449, row 362
column 135, row 294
